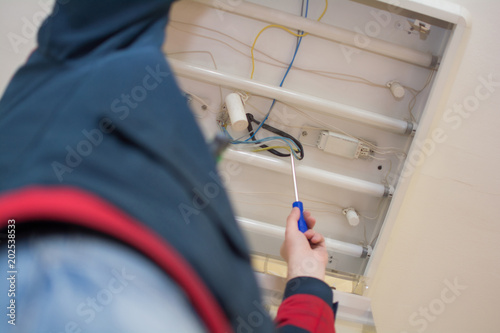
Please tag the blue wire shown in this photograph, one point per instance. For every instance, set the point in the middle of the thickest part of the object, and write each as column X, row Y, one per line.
column 287, row 141
column 283, row 80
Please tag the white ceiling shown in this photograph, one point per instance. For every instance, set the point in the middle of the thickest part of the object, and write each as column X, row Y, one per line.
column 448, row 226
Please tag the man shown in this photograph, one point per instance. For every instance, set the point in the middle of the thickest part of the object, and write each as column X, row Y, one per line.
column 104, row 174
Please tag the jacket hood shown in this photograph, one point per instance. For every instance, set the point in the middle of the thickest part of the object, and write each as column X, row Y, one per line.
column 72, row 31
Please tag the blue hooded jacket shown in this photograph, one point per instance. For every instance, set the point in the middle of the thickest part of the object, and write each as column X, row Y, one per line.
column 96, row 107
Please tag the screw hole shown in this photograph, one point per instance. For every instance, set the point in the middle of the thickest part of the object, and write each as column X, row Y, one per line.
column 379, row 167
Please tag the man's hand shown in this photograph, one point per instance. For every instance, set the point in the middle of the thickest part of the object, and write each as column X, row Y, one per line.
column 305, row 253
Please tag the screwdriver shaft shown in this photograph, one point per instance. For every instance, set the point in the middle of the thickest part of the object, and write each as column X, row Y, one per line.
column 294, row 179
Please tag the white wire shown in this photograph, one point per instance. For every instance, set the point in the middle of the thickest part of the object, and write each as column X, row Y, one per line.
column 355, row 79
column 201, row 101
column 328, row 74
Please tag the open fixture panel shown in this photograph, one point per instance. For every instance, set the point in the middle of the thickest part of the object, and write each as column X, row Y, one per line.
column 347, row 98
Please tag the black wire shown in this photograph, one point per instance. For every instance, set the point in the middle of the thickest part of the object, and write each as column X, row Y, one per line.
column 279, row 132
column 251, row 119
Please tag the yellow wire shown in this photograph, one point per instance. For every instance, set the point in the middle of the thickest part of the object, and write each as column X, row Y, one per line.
column 258, row 35
column 327, row 74
column 283, row 28
column 324, row 11
column 274, row 147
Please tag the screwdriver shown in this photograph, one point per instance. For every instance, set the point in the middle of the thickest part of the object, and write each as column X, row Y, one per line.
column 301, row 223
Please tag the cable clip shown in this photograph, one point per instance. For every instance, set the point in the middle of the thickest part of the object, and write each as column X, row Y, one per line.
column 244, row 96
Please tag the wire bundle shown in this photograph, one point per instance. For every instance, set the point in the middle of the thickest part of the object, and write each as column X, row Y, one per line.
column 292, row 144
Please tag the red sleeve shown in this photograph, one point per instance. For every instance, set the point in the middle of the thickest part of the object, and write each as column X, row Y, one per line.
column 307, row 307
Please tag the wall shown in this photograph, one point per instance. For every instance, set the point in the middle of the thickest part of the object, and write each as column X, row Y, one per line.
column 440, row 270
column 18, row 25
column 441, row 267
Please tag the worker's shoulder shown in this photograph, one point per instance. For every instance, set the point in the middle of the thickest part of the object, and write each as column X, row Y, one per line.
column 115, row 74
column 129, row 63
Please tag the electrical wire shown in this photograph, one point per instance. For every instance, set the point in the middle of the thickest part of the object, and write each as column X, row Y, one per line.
column 290, row 143
column 258, row 35
column 252, row 136
column 215, row 66
column 310, row 203
column 274, row 130
column 202, row 102
column 301, row 14
column 327, row 74
column 377, row 149
column 272, row 147
column 283, row 64
column 331, row 75
column 303, row 197
column 354, row 78
column 300, row 35
column 316, row 210
column 288, row 139
column 415, row 93
column 380, row 150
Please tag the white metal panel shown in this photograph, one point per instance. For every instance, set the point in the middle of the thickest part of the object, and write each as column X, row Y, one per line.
column 209, row 48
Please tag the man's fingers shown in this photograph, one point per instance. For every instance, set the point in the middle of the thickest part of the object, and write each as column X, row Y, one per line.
column 317, row 238
column 292, row 219
column 309, row 234
column 311, row 221
column 314, row 237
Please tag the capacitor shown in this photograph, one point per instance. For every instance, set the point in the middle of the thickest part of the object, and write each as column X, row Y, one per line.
column 397, row 90
column 352, row 216
column 236, row 111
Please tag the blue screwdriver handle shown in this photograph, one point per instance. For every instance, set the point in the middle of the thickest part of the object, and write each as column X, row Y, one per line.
column 302, row 223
